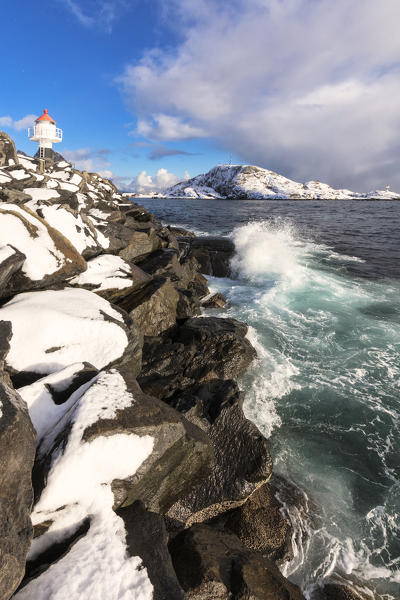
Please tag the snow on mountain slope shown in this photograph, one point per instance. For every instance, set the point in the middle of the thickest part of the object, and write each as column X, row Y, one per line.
column 246, row 182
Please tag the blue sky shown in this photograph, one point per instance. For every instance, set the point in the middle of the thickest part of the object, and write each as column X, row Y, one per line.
column 308, row 88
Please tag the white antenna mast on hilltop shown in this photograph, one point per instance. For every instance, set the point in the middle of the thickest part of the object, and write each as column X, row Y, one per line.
column 230, row 159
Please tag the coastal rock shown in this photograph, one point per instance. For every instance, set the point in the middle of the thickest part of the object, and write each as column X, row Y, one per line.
column 200, row 350
column 154, row 307
column 336, row 591
column 259, row 524
column 242, row 458
column 213, row 255
column 147, row 537
column 181, row 453
column 216, row 301
column 49, row 256
column 111, row 277
column 212, row 564
column 141, row 243
column 70, row 325
column 17, row 452
column 8, row 154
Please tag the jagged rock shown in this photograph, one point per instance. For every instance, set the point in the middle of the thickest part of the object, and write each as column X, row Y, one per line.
column 49, row 257
column 154, row 307
column 242, row 458
column 146, row 536
column 50, row 155
column 214, row 565
column 181, row 453
column 11, row 260
column 141, row 243
column 199, row 350
column 111, row 277
column 216, row 301
column 13, row 196
column 17, row 452
column 213, row 254
column 69, row 326
column 7, row 150
column 259, row 524
column 336, row 591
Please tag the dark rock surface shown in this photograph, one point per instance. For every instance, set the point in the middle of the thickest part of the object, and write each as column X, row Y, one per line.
column 242, row 458
column 181, row 455
column 7, row 150
column 336, row 591
column 17, row 452
column 147, row 537
column 259, row 524
column 199, row 350
column 216, row 301
column 213, row 254
column 214, row 565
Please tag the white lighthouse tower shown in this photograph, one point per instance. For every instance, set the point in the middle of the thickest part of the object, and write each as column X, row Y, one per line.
column 45, row 133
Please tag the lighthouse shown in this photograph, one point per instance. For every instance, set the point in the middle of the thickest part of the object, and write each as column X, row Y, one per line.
column 45, row 133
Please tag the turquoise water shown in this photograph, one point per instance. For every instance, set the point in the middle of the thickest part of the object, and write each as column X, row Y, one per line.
column 325, row 389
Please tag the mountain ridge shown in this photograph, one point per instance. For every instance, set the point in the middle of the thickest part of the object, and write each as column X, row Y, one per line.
column 249, row 182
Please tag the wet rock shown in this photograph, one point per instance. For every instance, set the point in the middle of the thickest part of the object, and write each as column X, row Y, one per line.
column 198, row 351
column 242, row 458
column 216, row 301
column 212, row 564
column 336, row 591
column 213, row 254
column 17, row 452
column 259, row 524
column 147, row 537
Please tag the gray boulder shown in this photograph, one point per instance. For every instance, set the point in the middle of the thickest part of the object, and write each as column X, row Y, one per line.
column 17, row 452
column 213, row 564
column 7, row 150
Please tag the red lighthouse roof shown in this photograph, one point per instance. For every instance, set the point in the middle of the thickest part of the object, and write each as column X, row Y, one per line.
column 45, row 117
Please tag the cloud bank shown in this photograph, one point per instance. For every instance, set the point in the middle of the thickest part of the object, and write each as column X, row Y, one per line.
column 308, row 88
column 18, row 125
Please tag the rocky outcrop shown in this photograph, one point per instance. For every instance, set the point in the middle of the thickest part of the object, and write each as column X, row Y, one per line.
column 200, row 350
column 140, row 428
column 70, row 325
column 147, row 537
column 17, row 452
column 215, row 301
column 214, row 564
column 35, row 254
column 242, row 459
column 213, row 254
column 8, row 154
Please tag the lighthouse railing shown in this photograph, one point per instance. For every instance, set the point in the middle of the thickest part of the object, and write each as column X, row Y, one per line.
column 38, row 131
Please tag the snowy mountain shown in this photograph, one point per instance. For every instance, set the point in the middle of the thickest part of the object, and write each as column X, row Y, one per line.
column 247, row 182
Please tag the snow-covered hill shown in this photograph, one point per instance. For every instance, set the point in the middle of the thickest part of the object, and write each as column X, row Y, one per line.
column 242, row 182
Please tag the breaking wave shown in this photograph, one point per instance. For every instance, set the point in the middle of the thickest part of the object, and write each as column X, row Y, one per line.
column 325, row 388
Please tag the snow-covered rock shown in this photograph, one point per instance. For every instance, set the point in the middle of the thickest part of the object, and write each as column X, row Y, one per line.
column 111, row 277
column 110, row 446
column 48, row 256
column 54, row 329
column 247, row 182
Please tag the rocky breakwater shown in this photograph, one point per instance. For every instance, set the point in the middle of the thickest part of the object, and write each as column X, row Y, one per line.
column 128, row 469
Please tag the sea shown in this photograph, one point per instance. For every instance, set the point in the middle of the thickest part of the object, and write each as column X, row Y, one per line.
column 318, row 283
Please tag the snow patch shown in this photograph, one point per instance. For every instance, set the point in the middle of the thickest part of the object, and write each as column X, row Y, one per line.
column 105, row 272
column 68, row 326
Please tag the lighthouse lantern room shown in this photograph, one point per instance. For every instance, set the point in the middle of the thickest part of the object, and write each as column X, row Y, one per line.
column 45, row 133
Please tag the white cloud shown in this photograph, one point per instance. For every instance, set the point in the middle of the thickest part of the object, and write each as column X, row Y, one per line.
column 96, row 13
column 20, row 124
column 308, row 88
column 86, row 159
column 149, row 184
